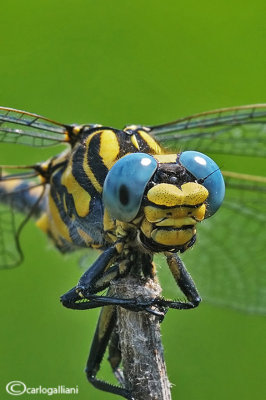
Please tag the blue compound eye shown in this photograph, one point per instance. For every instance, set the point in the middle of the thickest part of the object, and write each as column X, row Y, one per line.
column 207, row 173
column 125, row 184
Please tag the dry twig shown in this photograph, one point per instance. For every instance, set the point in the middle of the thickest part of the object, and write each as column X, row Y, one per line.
column 140, row 342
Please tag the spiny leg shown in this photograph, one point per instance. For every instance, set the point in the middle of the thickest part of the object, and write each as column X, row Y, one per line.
column 97, row 278
column 103, row 333
column 92, row 281
column 184, row 281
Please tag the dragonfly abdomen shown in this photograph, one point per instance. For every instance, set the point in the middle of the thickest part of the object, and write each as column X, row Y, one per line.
column 22, row 196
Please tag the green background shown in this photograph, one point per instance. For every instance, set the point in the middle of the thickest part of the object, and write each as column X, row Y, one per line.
column 115, row 63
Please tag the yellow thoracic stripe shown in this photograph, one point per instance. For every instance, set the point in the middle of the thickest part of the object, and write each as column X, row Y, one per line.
column 86, row 166
column 57, row 225
column 109, row 148
column 134, row 141
column 151, row 142
column 80, row 196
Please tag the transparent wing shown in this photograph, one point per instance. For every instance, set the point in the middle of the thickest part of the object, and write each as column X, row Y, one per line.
column 228, row 263
column 21, row 197
column 238, row 130
column 31, row 129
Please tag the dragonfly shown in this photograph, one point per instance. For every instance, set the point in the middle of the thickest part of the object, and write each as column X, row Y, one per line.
column 137, row 192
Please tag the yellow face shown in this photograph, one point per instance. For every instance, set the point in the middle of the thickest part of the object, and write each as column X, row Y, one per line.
column 172, row 213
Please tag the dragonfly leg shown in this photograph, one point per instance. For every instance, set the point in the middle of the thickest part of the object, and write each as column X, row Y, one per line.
column 115, row 357
column 92, row 281
column 104, row 335
column 95, row 279
column 71, row 299
column 184, row 281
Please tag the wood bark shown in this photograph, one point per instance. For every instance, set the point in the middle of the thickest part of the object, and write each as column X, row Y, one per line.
column 140, row 342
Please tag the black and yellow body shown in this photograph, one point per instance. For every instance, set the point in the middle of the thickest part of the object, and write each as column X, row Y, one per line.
column 71, row 212
column 85, row 198
column 75, row 213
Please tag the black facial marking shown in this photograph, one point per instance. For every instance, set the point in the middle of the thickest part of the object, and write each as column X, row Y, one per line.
column 174, row 174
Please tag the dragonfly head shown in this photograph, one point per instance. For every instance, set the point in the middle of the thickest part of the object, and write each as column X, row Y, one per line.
column 166, row 194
